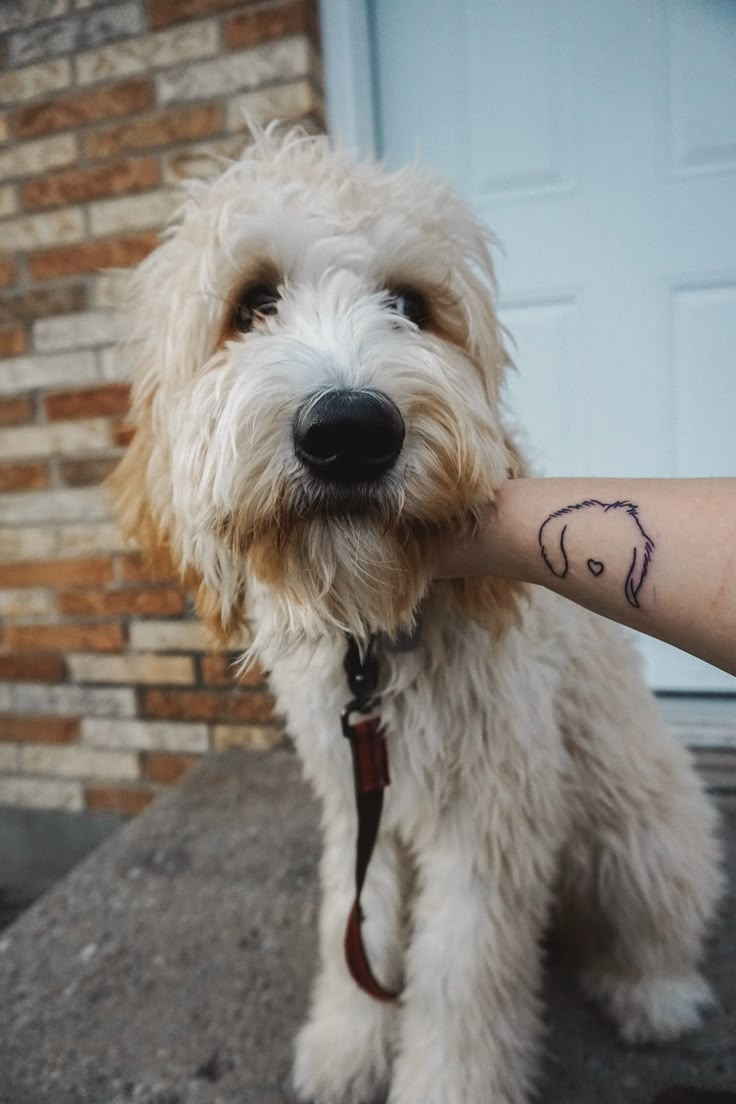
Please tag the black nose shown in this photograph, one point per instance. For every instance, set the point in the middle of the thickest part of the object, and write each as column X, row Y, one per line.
column 349, row 436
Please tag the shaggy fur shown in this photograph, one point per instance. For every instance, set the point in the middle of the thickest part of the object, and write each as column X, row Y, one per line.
column 530, row 769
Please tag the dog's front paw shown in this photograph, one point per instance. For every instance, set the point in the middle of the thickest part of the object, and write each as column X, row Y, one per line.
column 341, row 1060
column 651, row 1009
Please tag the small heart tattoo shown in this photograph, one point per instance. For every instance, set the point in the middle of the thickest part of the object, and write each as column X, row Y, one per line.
column 595, row 567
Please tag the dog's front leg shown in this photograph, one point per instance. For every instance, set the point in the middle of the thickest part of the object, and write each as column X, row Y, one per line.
column 344, row 1049
column 470, row 1018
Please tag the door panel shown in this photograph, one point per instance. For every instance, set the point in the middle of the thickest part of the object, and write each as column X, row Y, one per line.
column 527, row 65
column 597, row 138
column 701, row 46
column 704, row 333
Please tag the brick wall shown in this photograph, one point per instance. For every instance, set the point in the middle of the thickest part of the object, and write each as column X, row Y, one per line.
column 107, row 690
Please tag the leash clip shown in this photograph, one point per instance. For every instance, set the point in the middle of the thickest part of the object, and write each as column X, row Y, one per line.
column 354, row 706
column 361, row 672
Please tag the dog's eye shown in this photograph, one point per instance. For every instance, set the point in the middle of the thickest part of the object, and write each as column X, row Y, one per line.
column 256, row 303
column 410, row 304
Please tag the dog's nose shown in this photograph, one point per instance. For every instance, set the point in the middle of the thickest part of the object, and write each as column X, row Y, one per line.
column 349, row 436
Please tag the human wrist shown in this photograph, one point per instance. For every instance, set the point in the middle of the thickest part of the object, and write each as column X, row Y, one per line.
column 498, row 545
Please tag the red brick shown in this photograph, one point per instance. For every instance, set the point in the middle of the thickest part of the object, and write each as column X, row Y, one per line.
column 160, row 767
column 82, row 572
column 81, row 185
column 69, row 260
column 162, row 128
column 87, row 473
column 313, row 23
column 218, row 670
column 23, row 477
column 251, row 27
column 38, row 730
column 70, row 112
column 126, row 800
column 134, row 568
column 15, row 411
column 122, row 434
column 87, row 402
column 165, row 12
column 202, row 705
column 7, row 273
column 26, row 306
column 13, row 341
column 71, row 638
column 148, row 602
column 34, row 667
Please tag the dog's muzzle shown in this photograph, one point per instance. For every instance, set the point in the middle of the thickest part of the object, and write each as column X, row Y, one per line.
column 348, row 436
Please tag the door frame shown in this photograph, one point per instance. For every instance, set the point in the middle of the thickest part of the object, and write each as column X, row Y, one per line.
column 348, row 73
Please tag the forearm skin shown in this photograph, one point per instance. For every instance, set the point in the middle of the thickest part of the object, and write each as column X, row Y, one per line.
column 657, row 555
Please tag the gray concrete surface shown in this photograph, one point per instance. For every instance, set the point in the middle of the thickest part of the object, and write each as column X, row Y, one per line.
column 39, row 846
column 173, row 965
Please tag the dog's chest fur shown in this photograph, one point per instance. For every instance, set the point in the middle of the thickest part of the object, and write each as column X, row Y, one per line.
column 466, row 716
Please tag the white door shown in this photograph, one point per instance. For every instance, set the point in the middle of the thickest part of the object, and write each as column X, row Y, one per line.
column 598, row 140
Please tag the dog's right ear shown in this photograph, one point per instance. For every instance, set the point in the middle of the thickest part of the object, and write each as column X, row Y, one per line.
column 138, row 519
column 152, row 531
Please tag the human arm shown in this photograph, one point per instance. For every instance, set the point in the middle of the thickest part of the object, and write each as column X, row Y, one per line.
column 658, row 555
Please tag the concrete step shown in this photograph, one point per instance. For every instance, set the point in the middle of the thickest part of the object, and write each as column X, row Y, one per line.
column 173, row 965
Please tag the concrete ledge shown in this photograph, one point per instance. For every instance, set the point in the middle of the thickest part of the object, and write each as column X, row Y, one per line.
column 40, row 846
column 173, row 966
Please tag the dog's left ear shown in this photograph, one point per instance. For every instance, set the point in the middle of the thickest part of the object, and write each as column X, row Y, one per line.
column 486, row 339
column 516, row 466
column 477, row 294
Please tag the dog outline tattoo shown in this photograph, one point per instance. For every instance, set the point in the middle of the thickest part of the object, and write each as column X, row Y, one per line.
column 553, row 531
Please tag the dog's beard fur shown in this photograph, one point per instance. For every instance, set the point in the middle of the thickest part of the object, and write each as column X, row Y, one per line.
column 354, row 566
column 212, row 477
column 355, row 559
column 347, row 575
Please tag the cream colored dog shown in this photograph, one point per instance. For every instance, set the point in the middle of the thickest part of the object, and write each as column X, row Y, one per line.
column 318, row 367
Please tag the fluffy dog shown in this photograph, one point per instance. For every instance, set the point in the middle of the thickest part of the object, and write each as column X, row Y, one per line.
column 318, row 368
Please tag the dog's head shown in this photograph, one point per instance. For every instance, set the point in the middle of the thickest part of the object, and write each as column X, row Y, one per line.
column 316, row 394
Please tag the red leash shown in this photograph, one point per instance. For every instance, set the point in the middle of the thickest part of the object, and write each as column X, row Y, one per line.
column 362, row 728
